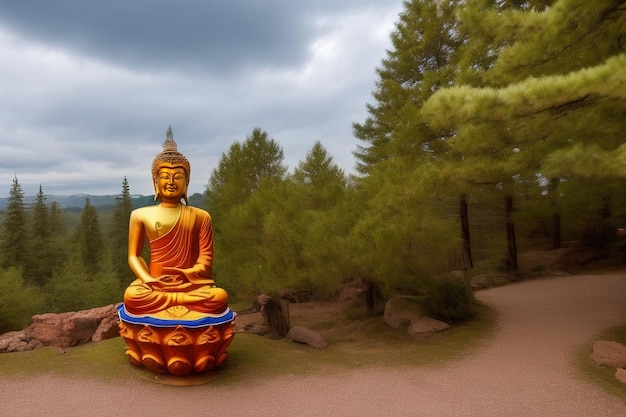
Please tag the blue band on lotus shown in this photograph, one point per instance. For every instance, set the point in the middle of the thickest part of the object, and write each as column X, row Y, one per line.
column 210, row 319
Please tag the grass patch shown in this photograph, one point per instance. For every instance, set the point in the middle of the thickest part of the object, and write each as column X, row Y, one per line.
column 353, row 344
column 105, row 360
column 602, row 376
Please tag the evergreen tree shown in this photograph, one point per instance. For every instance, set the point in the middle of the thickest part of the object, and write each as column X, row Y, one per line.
column 322, row 180
column 241, row 171
column 551, row 107
column 13, row 241
column 44, row 253
column 237, row 198
column 90, row 239
column 421, row 61
column 119, row 234
column 39, row 216
column 56, row 221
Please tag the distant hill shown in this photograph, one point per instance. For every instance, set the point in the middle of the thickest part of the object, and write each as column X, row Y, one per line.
column 77, row 201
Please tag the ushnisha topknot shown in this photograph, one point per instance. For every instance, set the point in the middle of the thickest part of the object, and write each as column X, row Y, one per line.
column 170, row 155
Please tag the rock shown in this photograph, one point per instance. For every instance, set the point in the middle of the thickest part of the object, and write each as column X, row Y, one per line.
column 307, row 336
column 107, row 329
column 400, row 312
column 262, row 330
column 275, row 313
column 354, row 291
column 407, row 313
column 17, row 342
column 426, row 325
column 609, row 354
column 73, row 328
column 620, row 374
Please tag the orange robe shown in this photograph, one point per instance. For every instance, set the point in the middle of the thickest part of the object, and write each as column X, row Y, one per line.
column 189, row 243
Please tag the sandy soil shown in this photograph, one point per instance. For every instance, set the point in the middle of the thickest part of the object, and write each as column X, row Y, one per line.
column 525, row 369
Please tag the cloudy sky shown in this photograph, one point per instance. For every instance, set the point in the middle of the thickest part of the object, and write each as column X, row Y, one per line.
column 88, row 89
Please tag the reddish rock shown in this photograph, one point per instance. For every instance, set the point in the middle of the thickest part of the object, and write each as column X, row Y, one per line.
column 107, row 329
column 17, row 342
column 609, row 354
column 73, row 328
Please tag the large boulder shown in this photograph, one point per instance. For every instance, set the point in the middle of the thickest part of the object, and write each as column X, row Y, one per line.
column 73, row 328
column 307, row 336
column 400, row 312
column 407, row 313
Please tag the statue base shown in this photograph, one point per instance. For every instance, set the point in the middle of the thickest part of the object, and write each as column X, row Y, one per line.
column 177, row 346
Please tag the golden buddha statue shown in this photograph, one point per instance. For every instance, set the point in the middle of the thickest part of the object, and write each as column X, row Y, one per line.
column 173, row 317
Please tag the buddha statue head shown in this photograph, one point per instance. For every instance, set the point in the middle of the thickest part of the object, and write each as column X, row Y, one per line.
column 170, row 171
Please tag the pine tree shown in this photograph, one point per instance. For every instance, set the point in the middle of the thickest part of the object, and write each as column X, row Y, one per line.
column 44, row 255
column 39, row 216
column 551, row 106
column 421, row 61
column 13, row 241
column 241, row 171
column 119, row 234
column 238, row 197
column 321, row 179
column 56, row 221
column 90, row 239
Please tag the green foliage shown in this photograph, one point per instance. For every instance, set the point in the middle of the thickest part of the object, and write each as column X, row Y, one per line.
column 424, row 45
column 118, row 235
column 450, row 299
column 74, row 289
column 241, row 170
column 90, row 238
column 403, row 233
column 44, row 254
column 18, row 302
column 321, row 180
column 13, row 242
column 239, row 195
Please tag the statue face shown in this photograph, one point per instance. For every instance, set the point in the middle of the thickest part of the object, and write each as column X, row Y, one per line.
column 171, row 183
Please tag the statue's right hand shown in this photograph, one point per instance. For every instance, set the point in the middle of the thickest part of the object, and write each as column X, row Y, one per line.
column 149, row 279
column 163, row 282
column 169, row 279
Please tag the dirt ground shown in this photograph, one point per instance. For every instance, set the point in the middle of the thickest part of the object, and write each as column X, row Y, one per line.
column 525, row 369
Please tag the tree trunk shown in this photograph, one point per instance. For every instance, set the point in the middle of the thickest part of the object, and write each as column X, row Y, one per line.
column 511, row 262
column 556, row 231
column 465, row 233
column 275, row 314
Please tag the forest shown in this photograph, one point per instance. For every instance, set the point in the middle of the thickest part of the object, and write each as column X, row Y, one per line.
column 495, row 127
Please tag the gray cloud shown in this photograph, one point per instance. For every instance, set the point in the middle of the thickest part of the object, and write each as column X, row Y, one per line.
column 91, row 87
column 164, row 35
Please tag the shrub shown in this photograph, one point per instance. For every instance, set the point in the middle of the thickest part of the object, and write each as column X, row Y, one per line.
column 18, row 302
column 450, row 299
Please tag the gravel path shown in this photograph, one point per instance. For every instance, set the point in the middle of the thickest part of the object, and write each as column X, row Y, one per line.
column 526, row 369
